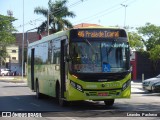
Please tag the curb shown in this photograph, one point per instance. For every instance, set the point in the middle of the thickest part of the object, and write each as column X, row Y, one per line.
column 136, row 83
column 12, row 79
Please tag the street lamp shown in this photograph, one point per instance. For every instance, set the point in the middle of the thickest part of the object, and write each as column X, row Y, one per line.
column 124, row 14
column 48, row 21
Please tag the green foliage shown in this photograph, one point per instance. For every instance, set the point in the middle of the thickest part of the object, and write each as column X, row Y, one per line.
column 155, row 56
column 6, row 36
column 155, row 53
column 151, row 35
column 6, row 29
column 135, row 41
column 58, row 11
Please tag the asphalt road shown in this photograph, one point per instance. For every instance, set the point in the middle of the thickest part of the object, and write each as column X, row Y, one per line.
column 18, row 97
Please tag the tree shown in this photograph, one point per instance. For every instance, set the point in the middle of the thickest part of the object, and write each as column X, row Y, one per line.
column 155, row 56
column 6, row 29
column 150, row 34
column 58, row 11
column 6, row 36
column 135, row 41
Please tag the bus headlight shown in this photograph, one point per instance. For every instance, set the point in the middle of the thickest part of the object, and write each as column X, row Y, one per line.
column 76, row 86
column 73, row 84
column 126, row 84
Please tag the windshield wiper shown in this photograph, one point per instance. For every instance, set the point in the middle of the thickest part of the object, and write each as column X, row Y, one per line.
column 91, row 46
column 110, row 48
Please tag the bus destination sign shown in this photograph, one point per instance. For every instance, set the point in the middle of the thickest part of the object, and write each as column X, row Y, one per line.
column 98, row 33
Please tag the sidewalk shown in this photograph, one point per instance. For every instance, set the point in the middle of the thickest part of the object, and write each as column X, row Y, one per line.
column 136, row 87
column 136, row 83
column 14, row 79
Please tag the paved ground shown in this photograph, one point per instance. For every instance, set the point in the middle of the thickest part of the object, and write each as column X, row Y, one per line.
column 136, row 87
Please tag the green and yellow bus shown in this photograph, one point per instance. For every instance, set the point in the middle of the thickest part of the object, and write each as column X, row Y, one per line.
column 81, row 64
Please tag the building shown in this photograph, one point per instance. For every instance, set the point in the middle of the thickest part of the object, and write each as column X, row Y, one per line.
column 14, row 51
column 12, row 61
column 85, row 25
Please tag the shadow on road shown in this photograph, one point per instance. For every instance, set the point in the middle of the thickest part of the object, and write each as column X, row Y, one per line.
column 49, row 107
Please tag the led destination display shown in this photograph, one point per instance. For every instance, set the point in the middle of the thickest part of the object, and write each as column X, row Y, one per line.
column 98, row 33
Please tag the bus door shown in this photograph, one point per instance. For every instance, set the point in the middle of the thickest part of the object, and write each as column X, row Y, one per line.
column 62, row 68
column 32, row 68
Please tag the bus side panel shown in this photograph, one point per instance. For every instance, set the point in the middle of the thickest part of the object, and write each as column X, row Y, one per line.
column 40, row 69
column 47, row 68
column 54, row 76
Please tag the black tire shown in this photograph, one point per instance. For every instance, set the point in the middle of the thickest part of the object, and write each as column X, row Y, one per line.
column 60, row 100
column 38, row 94
column 109, row 102
column 150, row 91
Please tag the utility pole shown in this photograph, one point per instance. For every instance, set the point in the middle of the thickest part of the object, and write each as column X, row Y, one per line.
column 23, row 42
column 48, row 22
column 125, row 6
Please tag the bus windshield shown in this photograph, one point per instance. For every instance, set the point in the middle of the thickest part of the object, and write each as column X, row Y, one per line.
column 90, row 56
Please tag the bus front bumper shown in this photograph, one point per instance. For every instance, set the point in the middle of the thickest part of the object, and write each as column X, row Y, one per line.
column 97, row 95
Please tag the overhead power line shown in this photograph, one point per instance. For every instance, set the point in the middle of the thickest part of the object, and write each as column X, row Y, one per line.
column 105, row 12
column 40, row 18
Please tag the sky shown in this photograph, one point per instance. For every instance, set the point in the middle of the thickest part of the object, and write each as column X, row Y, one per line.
column 102, row 12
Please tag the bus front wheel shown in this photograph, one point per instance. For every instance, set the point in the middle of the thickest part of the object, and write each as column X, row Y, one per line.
column 109, row 102
column 60, row 100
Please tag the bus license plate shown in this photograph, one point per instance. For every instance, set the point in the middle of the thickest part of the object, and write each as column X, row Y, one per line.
column 102, row 94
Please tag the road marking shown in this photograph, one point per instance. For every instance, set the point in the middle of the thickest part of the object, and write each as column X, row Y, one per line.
column 35, row 104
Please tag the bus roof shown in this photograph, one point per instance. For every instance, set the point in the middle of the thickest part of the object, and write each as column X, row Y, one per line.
column 99, row 27
column 49, row 37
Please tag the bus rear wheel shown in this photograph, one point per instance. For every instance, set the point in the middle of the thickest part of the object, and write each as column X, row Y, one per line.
column 109, row 102
column 38, row 94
